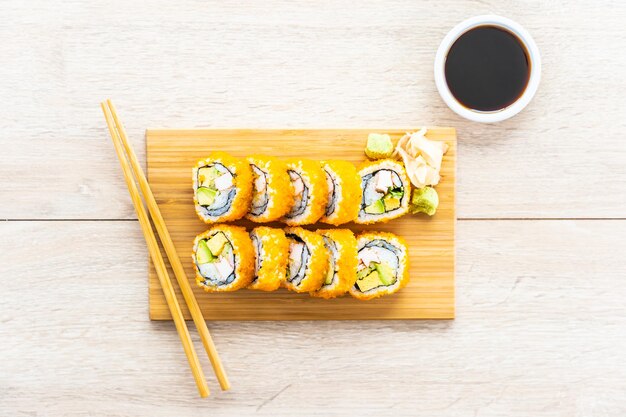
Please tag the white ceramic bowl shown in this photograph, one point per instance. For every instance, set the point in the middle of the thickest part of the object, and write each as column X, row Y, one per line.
column 533, row 82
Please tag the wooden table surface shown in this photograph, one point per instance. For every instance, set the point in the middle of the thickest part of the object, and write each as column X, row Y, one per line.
column 541, row 271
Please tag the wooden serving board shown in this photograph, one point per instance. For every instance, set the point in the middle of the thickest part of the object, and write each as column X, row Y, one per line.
column 430, row 294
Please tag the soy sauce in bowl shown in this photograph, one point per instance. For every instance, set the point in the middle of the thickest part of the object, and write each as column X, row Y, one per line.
column 487, row 68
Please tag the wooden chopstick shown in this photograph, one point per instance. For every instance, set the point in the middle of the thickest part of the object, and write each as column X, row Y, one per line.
column 155, row 254
column 172, row 255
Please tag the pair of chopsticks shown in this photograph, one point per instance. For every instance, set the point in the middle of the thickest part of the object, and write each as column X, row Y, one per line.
column 133, row 172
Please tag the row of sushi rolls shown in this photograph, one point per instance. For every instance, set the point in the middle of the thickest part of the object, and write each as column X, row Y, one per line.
column 326, row 263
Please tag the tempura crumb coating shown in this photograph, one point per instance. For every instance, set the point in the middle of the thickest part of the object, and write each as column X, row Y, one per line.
column 275, row 247
column 346, row 263
column 349, row 202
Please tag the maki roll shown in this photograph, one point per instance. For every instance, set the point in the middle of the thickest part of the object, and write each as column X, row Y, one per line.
column 383, row 266
column 386, row 191
column 344, row 192
column 222, row 188
column 272, row 192
column 342, row 263
column 308, row 260
column 270, row 249
column 224, row 258
column 309, row 190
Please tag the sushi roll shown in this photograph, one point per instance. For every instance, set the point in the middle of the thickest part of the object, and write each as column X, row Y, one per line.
column 309, row 190
column 308, row 260
column 386, row 191
column 222, row 188
column 272, row 192
column 342, row 263
column 270, row 249
column 224, row 258
column 344, row 192
column 383, row 266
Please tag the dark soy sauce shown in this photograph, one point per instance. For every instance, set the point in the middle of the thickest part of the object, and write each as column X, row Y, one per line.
column 487, row 68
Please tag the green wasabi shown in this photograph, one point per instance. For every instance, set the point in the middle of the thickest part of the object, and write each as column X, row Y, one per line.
column 424, row 200
column 378, row 146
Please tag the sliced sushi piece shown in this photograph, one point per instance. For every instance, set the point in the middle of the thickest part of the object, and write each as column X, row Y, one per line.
column 383, row 266
column 308, row 260
column 342, row 263
column 344, row 192
column 272, row 192
column 270, row 248
column 224, row 258
column 222, row 188
column 310, row 192
column 386, row 191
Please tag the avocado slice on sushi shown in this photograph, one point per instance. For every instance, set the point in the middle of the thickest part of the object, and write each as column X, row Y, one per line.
column 385, row 273
column 227, row 250
column 377, row 207
column 206, row 196
column 216, row 243
column 372, row 280
column 203, row 254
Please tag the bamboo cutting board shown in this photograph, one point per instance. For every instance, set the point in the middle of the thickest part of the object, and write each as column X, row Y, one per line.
column 430, row 294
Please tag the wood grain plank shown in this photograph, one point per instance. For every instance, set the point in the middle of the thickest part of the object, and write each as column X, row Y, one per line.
column 539, row 332
column 429, row 294
column 302, row 64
